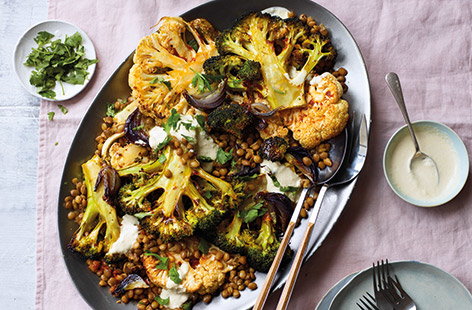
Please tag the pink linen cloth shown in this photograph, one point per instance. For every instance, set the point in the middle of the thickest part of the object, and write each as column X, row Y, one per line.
column 428, row 43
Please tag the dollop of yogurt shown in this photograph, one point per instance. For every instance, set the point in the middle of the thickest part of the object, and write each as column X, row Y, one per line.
column 128, row 235
column 277, row 11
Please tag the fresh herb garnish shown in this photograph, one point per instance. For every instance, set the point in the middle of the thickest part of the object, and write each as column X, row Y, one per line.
column 51, row 115
column 223, row 157
column 200, row 120
column 162, row 81
column 57, row 61
column 247, row 177
column 278, row 91
column 142, row 215
column 207, row 194
column 172, row 121
column 140, row 127
column 63, row 109
column 111, row 110
column 187, row 306
column 174, row 275
column 163, row 261
column 161, row 301
column 56, row 143
column 162, row 158
column 204, row 158
column 189, row 139
column 193, row 44
column 162, row 144
column 203, row 246
column 250, row 214
column 286, row 189
column 203, row 81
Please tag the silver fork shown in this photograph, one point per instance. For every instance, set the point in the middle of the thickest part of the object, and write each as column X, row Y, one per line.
column 368, row 302
column 397, row 296
column 381, row 273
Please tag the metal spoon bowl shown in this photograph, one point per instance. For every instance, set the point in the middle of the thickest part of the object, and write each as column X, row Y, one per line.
column 419, row 160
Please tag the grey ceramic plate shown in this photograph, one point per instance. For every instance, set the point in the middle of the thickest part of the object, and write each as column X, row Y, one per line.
column 117, row 86
column 328, row 298
column 429, row 286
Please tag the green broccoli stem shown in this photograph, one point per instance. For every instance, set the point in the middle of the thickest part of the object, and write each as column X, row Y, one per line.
column 267, row 233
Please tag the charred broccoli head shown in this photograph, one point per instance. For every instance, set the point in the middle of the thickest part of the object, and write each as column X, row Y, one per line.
column 274, row 43
column 239, row 72
column 99, row 227
column 273, row 148
column 175, row 201
column 255, row 230
column 231, row 118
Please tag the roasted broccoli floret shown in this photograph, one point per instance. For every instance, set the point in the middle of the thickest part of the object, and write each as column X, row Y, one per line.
column 273, row 148
column 238, row 72
column 231, row 118
column 174, row 199
column 255, row 230
column 272, row 42
column 99, row 227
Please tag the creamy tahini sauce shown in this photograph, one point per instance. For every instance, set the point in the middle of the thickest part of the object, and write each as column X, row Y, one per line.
column 421, row 182
column 283, row 174
column 128, row 235
column 277, row 11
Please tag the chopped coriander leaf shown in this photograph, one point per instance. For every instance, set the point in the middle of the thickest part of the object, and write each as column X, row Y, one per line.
column 162, row 144
column 140, row 127
column 163, row 261
column 174, row 275
column 57, row 61
column 51, row 115
column 43, row 37
column 204, row 159
column 250, row 214
column 223, row 157
column 162, row 158
column 63, row 109
column 193, row 44
column 142, row 215
column 278, row 91
column 200, row 120
column 161, row 301
column 203, row 246
column 207, row 195
column 172, row 121
column 247, row 177
column 203, row 81
column 189, row 139
column 286, row 189
column 187, row 306
column 56, row 143
column 111, row 110
column 162, row 81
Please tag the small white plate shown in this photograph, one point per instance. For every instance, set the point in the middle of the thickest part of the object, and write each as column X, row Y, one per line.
column 24, row 46
column 429, row 286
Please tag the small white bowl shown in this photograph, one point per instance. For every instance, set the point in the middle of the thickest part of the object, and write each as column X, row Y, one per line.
column 23, row 48
column 461, row 174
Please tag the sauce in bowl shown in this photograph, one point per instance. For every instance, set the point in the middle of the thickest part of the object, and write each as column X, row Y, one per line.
column 422, row 182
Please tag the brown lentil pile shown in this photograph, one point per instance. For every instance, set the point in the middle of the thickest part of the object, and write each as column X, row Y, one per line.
column 76, row 201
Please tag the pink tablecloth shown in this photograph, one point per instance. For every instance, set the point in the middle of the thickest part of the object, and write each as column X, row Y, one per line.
column 428, row 43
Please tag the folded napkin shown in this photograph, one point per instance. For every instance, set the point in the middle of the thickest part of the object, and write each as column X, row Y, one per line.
column 427, row 43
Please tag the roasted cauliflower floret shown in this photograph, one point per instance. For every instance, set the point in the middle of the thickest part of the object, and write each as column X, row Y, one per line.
column 125, row 156
column 324, row 116
column 204, row 276
column 165, row 64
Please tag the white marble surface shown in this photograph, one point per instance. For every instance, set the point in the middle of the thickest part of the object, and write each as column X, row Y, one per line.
column 18, row 159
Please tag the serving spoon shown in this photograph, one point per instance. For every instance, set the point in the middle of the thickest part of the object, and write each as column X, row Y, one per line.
column 336, row 153
column 351, row 164
column 419, row 158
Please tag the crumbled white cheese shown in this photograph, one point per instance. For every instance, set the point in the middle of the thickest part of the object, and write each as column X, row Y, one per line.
column 277, row 11
column 128, row 235
column 176, row 292
column 284, row 175
column 205, row 145
column 157, row 135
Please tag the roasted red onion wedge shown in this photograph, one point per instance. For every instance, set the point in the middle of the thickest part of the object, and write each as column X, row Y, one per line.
column 208, row 101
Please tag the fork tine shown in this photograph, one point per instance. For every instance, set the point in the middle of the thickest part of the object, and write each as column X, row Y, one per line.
column 373, row 276
column 371, row 303
column 362, row 308
column 368, row 305
column 393, row 293
column 397, row 285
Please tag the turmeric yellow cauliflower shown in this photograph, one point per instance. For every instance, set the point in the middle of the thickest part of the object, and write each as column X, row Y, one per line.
column 324, row 117
column 205, row 274
column 165, row 64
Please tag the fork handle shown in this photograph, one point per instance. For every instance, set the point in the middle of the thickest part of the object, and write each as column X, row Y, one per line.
column 295, row 269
